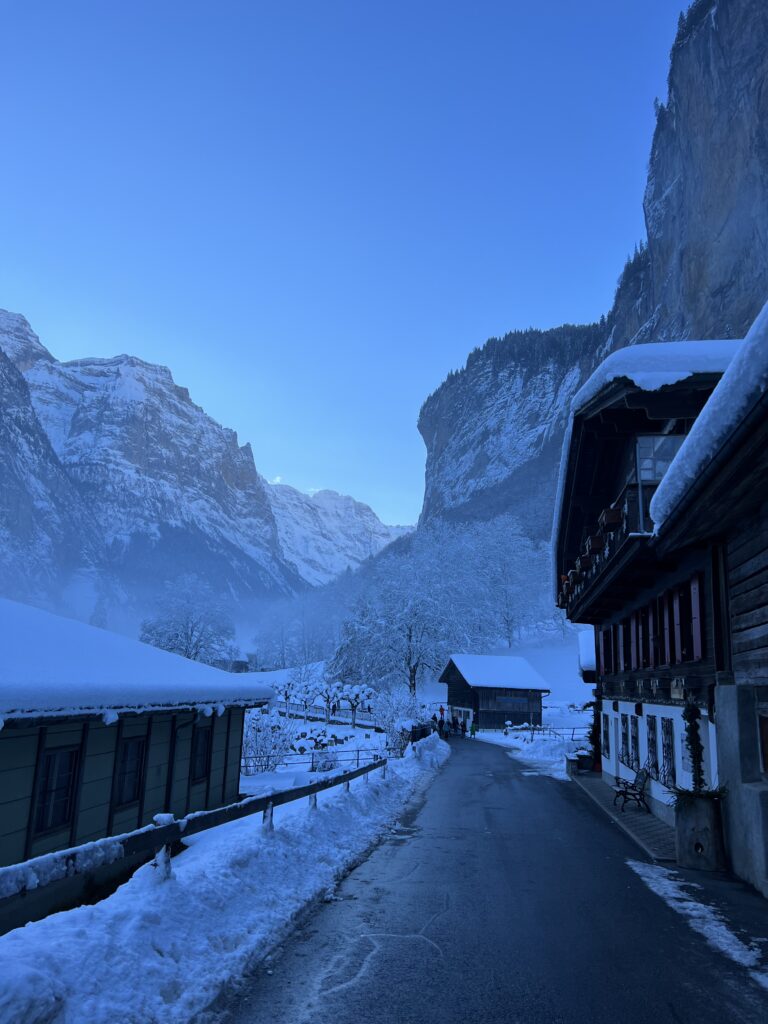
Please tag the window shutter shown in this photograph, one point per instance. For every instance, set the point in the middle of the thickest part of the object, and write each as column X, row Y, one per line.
column 601, row 652
column 696, row 624
column 667, row 630
column 633, row 639
column 651, row 636
column 620, row 656
column 640, row 642
column 677, row 630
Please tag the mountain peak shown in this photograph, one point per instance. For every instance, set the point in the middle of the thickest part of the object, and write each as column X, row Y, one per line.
column 19, row 341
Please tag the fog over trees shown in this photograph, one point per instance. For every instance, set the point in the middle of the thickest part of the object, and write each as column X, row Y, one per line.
column 448, row 587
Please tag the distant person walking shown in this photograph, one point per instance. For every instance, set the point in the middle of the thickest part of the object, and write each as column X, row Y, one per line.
column 472, row 730
column 441, row 727
column 455, row 725
column 464, row 728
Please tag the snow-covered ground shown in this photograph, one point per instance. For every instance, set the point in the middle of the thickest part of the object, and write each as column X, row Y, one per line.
column 159, row 951
column 542, row 755
column 703, row 918
column 544, row 751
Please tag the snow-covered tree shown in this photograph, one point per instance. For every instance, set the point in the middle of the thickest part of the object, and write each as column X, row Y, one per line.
column 267, row 738
column 329, row 692
column 357, row 695
column 191, row 622
column 307, row 681
column 396, row 711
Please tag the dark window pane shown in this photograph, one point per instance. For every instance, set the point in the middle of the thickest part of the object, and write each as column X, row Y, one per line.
column 762, row 722
column 653, row 750
column 56, row 792
column 130, row 768
column 201, row 752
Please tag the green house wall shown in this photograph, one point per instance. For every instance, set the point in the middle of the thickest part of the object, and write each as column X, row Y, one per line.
column 169, row 735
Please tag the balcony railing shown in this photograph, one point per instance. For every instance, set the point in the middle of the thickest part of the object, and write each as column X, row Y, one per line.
column 628, row 517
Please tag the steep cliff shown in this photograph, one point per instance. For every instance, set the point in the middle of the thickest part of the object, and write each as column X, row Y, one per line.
column 493, row 430
column 172, row 490
column 47, row 535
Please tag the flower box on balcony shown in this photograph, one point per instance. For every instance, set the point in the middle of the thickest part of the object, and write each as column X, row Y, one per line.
column 583, row 562
column 594, row 544
column 610, row 518
column 573, row 577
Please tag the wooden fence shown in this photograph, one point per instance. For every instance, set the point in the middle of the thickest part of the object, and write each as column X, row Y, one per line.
column 316, row 713
column 83, row 874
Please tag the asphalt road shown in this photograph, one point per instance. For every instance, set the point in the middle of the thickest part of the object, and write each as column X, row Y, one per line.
column 502, row 898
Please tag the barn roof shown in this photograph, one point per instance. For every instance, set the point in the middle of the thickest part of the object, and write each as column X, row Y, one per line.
column 497, row 670
column 50, row 665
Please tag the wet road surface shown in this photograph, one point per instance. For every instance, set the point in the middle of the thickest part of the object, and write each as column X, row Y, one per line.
column 502, row 897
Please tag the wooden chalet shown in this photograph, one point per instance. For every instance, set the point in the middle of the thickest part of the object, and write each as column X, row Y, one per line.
column 492, row 690
column 99, row 733
column 714, row 500
column 669, row 562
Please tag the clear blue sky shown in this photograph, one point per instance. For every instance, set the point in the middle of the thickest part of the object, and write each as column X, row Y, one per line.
column 312, row 211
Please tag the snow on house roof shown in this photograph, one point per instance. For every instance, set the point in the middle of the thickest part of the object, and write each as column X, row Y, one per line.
column 656, row 365
column 742, row 385
column 55, row 666
column 649, row 367
column 587, row 662
column 502, row 670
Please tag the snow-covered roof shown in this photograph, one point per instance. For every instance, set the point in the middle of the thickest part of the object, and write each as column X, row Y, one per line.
column 740, row 388
column 498, row 670
column 656, row 365
column 648, row 367
column 56, row 666
column 587, row 662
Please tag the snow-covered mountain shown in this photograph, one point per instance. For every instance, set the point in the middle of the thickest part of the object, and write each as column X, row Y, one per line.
column 323, row 534
column 493, row 430
column 108, row 466
column 47, row 535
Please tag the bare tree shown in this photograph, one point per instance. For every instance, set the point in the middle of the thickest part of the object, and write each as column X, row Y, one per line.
column 190, row 622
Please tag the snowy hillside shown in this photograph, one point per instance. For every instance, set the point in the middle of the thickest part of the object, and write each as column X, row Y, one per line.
column 323, row 534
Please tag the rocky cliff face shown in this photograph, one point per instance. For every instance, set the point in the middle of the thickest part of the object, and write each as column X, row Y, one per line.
column 706, row 207
column 47, row 534
column 113, row 478
column 172, row 490
column 493, row 431
column 323, row 534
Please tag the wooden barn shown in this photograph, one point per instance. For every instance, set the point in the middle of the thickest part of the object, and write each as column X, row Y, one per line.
column 99, row 733
column 492, row 690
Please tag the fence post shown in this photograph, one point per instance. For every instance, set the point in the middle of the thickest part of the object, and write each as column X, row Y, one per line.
column 267, row 823
column 384, row 770
column 162, row 862
column 313, row 801
column 346, row 786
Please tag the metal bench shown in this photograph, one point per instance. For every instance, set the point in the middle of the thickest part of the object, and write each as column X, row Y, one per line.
column 633, row 791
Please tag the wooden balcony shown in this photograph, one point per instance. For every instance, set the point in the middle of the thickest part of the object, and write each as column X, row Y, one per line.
column 621, row 526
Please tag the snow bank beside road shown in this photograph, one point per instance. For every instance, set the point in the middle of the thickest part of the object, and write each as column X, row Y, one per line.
column 544, row 754
column 158, row 952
